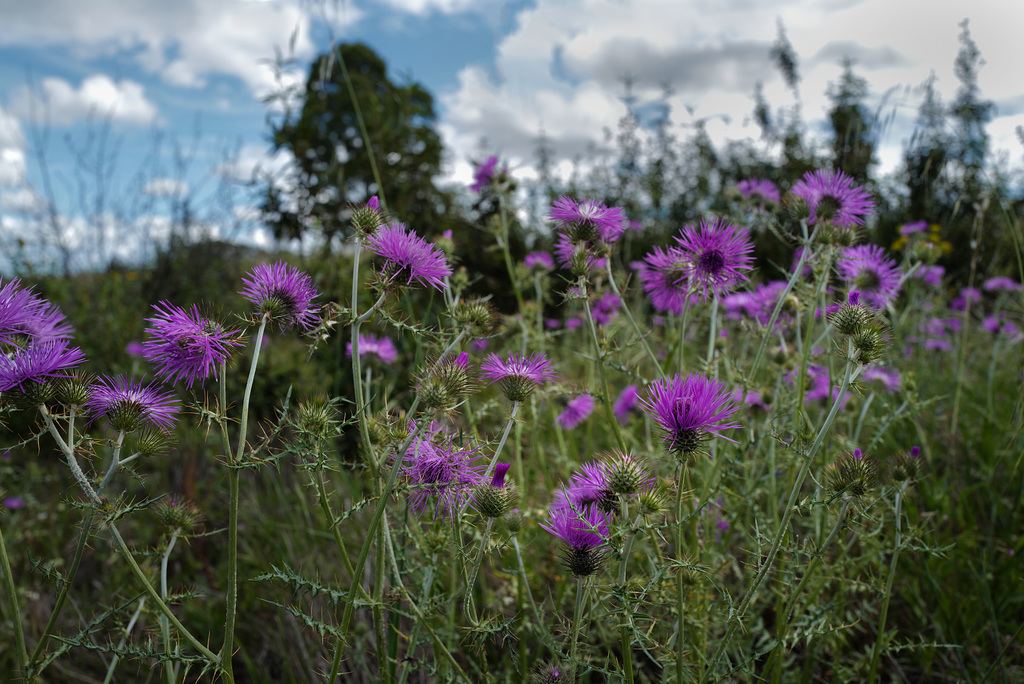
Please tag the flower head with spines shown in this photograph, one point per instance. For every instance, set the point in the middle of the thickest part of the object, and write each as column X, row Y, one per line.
column 186, row 346
column 284, row 293
column 408, row 257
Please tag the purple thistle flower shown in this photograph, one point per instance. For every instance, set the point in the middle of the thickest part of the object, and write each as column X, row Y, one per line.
column 585, row 528
column 931, row 275
column 585, row 533
column 500, row 470
column 129, row 405
column 135, row 348
column 759, row 191
column 719, row 255
column 404, row 250
column 286, row 293
column 588, row 216
column 626, row 402
column 1001, row 283
column 47, row 324
column 967, row 296
column 14, row 503
column 831, row 196
column 18, row 306
column 373, row 203
column 663, row 273
column 382, row 347
column 911, row 228
column 576, row 411
column 443, row 471
column 690, row 409
column 889, row 377
column 186, row 346
column 483, row 174
column 519, row 375
column 37, row 364
column 540, row 260
column 867, row 269
column 606, row 308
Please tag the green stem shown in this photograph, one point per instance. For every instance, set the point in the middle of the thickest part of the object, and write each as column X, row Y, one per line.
column 627, row 649
column 508, row 255
column 681, row 479
column 501, row 444
column 164, row 627
column 796, row 275
column 126, row 553
column 12, row 598
column 711, row 336
column 632, row 321
column 876, row 651
column 124, row 640
column 364, row 552
column 234, row 474
column 525, row 580
column 467, row 602
column 577, row 620
column 737, row 617
column 608, row 408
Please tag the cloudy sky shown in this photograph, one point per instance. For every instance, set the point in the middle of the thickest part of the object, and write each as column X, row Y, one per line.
column 156, row 100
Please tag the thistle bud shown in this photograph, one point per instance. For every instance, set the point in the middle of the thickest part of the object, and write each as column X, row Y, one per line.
column 367, row 218
column 149, row 442
column 316, row 417
column 446, row 383
column 907, row 465
column 852, row 474
column 513, row 521
column 851, row 316
column 476, row 316
column 870, row 343
column 627, row 475
column 180, row 517
column 496, row 498
column 74, row 390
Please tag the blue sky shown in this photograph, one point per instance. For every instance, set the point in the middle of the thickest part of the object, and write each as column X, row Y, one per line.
column 162, row 99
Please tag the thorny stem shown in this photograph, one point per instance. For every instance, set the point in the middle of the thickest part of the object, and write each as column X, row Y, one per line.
column 681, row 480
column 850, row 374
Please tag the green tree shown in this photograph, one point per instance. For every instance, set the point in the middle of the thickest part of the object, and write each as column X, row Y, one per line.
column 853, row 144
column 333, row 166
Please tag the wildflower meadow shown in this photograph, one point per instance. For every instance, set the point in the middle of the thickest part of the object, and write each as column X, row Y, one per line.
column 760, row 445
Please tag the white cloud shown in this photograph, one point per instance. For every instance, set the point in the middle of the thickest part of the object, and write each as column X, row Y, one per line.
column 252, row 162
column 421, row 7
column 98, row 96
column 23, row 200
column 12, row 167
column 564, row 65
column 185, row 42
column 165, row 187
